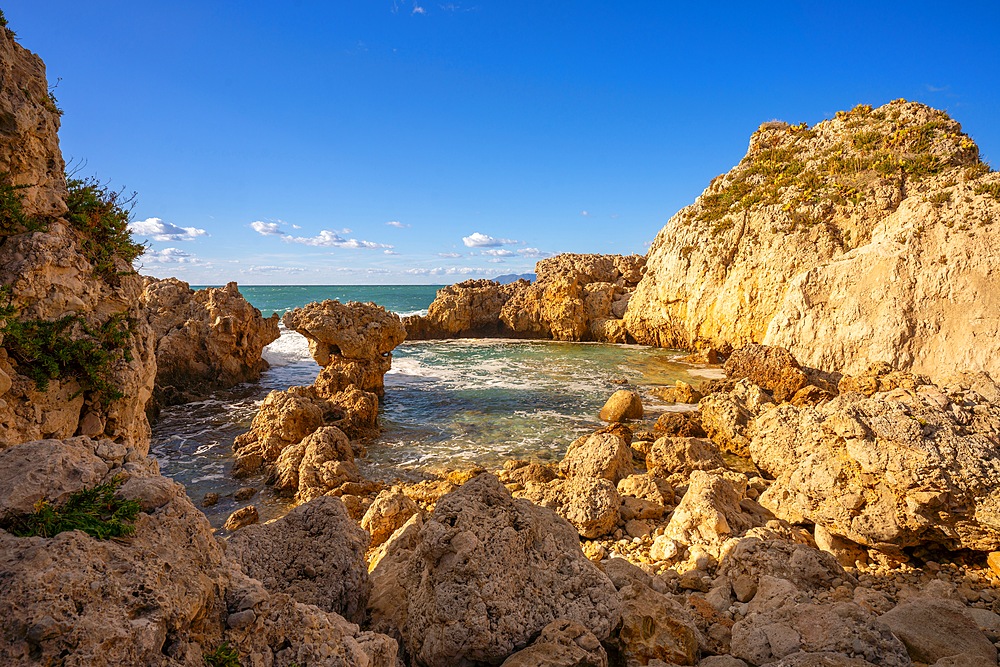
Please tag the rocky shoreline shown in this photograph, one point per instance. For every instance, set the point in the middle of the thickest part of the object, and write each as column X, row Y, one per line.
column 841, row 512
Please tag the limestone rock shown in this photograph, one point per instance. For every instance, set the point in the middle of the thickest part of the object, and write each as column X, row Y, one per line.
column 933, row 629
column 245, row 516
column 808, row 569
column 47, row 470
column 655, row 627
column 470, row 308
column 647, row 487
column 679, row 425
column 341, row 373
column 206, row 340
column 683, row 455
column 728, row 417
column 562, row 643
column 900, row 468
column 838, row 282
column 389, row 511
column 320, row 463
column 284, row 419
column 592, row 505
column 681, row 392
column 315, row 553
column 352, row 330
column 483, row 575
column 601, row 455
column 622, row 405
column 771, row 368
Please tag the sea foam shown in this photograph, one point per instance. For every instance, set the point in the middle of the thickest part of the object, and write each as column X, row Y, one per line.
column 290, row 348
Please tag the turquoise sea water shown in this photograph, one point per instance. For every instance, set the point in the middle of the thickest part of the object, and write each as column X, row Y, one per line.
column 448, row 404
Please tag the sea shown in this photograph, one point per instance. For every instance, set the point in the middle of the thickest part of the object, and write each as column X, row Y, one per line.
column 449, row 405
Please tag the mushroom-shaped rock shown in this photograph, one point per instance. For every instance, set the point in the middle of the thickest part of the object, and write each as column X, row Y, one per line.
column 351, row 330
column 315, row 553
column 483, row 576
column 622, row 405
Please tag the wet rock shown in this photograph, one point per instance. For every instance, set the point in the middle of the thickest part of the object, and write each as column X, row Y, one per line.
column 244, row 493
column 211, row 498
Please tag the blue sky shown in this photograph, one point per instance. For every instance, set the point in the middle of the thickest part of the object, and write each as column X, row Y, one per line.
column 383, row 141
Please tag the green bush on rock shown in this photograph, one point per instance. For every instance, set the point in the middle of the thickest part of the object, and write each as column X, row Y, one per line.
column 96, row 511
column 223, row 656
column 102, row 215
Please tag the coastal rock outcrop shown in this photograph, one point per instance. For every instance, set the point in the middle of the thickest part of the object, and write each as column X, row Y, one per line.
column 76, row 356
column 574, row 297
column 895, row 469
column 206, row 339
column 482, row 576
column 871, row 236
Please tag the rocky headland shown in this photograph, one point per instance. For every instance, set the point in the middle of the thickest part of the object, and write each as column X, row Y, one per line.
column 817, row 507
column 206, row 340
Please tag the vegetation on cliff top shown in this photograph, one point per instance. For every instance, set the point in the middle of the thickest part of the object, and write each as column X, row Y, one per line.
column 809, row 172
column 97, row 511
column 102, row 216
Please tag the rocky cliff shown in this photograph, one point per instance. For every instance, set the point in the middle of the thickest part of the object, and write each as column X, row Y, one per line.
column 574, row 297
column 206, row 340
column 871, row 236
column 76, row 355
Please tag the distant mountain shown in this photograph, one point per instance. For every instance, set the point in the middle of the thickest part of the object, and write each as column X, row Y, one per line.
column 508, row 278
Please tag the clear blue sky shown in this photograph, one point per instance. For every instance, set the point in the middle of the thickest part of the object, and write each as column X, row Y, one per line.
column 383, row 141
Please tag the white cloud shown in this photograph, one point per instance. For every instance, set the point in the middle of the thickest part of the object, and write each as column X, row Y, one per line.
column 453, row 271
column 390, row 252
column 502, row 252
column 496, row 260
column 585, row 213
column 378, row 272
column 397, row 224
column 170, row 256
column 452, row 255
column 158, row 230
column 271, row 269
column 479, row 240
column 534, row 253
column 266, row 228
column 417, row 9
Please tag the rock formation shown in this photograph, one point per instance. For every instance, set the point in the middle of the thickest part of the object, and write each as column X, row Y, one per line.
column 206, row 340
column 300, row 436
column 76, row 355
column 574, row 297
column 868, row 237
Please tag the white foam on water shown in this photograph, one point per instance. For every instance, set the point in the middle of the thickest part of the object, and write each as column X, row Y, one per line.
column 290, row 348
column 408, row 313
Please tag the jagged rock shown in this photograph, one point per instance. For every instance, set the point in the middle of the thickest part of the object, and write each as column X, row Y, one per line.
column 206, row 340
column 750, row 261
column 483, row 575
column 847, row 553
column 727, row 417
column 881, row 377
column 821, row 659
column 245, row 516
column 603, row 455
column 806, row 568
column 681, row 392
column 933, row 629
column 726, row 661
column 771, row 368
column 389, row 511
column 470, row 308
column 350, row 330
column 714, row 509
column 353, row 411
column 655, row 627
column 592, row 505
column 320, row 463
column 47, row 469
column 682, row 455
column 364, row 374
column 679, row 425
column 900, row 468
column 622, row 405
column 519, row 473
column 315, row 553
column 284, row 419
column 562, row 643
column 647, row 487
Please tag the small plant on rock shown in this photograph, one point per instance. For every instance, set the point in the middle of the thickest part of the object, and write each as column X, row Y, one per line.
column 96, row 511
column 103, row 216
column 223, row 656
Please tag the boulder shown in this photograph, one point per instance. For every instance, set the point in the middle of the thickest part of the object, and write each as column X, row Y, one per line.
column 319, row 464
column 245, row 516
column 602, row 455
column 681, row 392
column 592, row 505
column 933, row 629
column 284, row 419
column 655, row 628
column 206, row 340
column 315, row 553
column 679, row 425
column 682, row 455
column 622, row 405
column 483, row 576
column 470, row 308
column 773, row 369
column 562, row 643
column 808, row 569
column 900, row 468
column 387, row 513
column 728, row 417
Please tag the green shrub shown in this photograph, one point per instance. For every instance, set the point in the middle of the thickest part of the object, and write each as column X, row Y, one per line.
column 96, row 511
column 103, row 216
column 990, row 189
column 49, row 349
column 223, row 656
column 13, row 219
